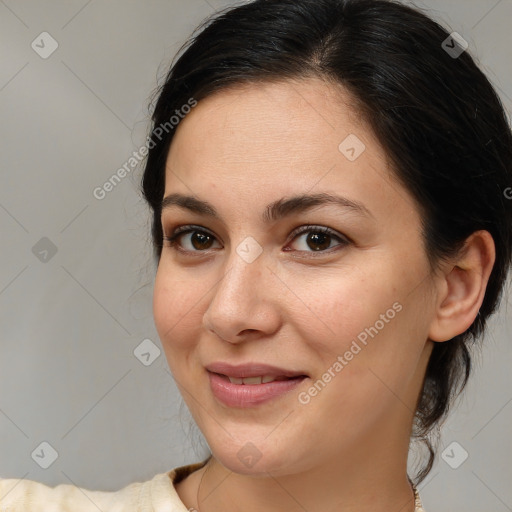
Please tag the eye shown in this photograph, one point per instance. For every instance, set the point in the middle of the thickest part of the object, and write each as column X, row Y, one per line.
column 194, row 239
column 318, row 238
column 190, row 239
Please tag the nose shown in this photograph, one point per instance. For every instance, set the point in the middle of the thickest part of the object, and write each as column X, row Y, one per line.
column 245, row 301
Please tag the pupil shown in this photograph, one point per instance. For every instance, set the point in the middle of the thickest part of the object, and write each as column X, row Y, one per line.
column 321, row 239
column 200, row 240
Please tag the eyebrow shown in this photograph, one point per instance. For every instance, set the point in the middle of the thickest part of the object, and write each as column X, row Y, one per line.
column 274, row 211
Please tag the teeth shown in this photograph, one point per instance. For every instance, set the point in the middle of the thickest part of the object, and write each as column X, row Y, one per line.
column 252, row 380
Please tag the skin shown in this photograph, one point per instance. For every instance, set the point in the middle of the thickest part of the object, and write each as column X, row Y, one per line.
column 299, row 308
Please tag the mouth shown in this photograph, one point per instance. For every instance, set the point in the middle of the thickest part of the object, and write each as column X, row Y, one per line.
column 251, row 384
column 253, row 370
column 260, row 379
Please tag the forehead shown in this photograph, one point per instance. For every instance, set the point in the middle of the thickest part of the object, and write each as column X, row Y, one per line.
column 283, row 124
column 279, row 138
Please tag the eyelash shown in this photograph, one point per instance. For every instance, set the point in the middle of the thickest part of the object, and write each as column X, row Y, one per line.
column 173, row 239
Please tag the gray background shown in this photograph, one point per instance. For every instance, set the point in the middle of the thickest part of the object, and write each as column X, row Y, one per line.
column 70, row 321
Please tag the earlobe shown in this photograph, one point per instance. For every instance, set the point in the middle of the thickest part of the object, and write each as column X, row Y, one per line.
column 461, row 288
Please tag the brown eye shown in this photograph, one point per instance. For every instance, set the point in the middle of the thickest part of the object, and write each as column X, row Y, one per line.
column 201, row 241
column 187, row 239
column 318, row 239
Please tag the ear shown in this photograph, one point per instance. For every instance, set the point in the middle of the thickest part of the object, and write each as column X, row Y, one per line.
column 461, row 287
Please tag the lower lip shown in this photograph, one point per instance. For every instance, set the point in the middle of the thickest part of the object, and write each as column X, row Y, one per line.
column 249, row 395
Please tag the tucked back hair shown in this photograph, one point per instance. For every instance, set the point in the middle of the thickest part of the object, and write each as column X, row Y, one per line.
column 438, row 118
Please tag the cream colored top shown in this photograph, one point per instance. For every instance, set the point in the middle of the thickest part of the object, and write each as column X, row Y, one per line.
column 155, row 495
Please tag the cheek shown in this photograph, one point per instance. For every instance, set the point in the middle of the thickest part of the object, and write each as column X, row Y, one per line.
column 358, row 343
column 336, row 307
column 175, row 312
column 358, row 315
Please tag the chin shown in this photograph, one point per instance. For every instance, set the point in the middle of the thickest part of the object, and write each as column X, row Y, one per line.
column 256, row 467
column 258, row 461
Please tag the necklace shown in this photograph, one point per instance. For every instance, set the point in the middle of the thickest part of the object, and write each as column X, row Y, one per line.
column 418, row 507
column 199, row 487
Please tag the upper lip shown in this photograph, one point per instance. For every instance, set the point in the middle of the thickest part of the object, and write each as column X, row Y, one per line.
column 251, row 370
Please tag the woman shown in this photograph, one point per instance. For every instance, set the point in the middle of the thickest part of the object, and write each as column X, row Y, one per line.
column 332, row 229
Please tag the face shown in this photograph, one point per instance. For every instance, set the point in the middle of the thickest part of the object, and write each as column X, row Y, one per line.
column 307, row 257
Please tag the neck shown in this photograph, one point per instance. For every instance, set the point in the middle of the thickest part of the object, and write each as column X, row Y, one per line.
column 371, row 478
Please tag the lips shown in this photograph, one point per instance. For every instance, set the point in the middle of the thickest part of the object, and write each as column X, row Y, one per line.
column 251, row 381
column 253, row 370
column 250, row 385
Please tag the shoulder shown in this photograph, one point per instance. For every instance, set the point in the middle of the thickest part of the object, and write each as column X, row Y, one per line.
column 17, row 495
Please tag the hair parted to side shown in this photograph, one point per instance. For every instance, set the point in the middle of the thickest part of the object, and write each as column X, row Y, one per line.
column 438, row 118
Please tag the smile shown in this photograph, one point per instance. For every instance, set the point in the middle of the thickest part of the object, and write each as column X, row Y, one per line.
column 241, row 392
column 254, row 380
